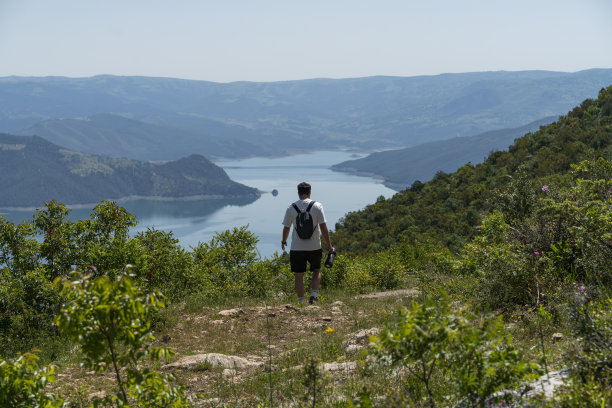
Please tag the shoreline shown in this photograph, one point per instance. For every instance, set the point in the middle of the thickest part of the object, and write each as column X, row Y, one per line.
column 136, row 197
column 350, row 170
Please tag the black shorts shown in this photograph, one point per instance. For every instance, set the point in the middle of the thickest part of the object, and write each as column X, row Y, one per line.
column 299, row 258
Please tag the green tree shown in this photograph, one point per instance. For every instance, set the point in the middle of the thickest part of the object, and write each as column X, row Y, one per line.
column 432, row 341
column 111, row 322
column 23, row 382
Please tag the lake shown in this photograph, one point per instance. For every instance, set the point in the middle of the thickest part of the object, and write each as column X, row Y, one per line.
column 198, row 220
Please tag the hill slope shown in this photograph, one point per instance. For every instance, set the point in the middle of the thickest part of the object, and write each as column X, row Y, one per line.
column 33, row 171
column 449, row 207
column 117, row 136
column 365, row 113
column 400, row 168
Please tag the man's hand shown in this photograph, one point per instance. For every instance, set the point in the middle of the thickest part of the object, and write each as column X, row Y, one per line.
column 285, row 236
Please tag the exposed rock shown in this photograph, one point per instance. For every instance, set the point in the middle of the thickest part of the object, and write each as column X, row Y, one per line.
column 99, row 394
column 326, row 318
column 335, row 310
column 358, row 340
column 312, row 308
column 229, row 372
column 338, row 303
column 547, row 384
column 231, row 312
column 352, row 348
column 335, row 366
column 214, row 359
column 210, row 402
column 557, row 336
column 331, row 367
column 399, row 292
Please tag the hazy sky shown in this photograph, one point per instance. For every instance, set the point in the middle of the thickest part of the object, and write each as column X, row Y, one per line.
column 271, row 40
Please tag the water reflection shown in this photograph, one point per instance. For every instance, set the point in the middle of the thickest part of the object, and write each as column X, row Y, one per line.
column 152, row 213
column 197, row 221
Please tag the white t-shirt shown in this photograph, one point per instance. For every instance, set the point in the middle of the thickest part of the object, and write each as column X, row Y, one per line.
column 318, row 217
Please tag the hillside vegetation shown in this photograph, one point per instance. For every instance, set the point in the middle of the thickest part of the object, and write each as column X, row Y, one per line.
column 33, row 171
column 503, row 288
column 449, row 207
column 402, row 167
column 277, row 118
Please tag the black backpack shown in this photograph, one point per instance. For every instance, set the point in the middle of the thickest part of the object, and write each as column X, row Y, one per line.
column 303, row 222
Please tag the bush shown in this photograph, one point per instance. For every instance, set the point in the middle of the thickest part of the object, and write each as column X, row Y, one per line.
column 163, row 264
column 22, row 383
column 590, row 383
column 224, row 265
column 432, row 342
column 111, row 322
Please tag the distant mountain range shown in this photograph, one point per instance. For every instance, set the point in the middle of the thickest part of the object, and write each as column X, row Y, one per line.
column 400, row 168
column 116, row 136
column 164, row 118
column 33, row 171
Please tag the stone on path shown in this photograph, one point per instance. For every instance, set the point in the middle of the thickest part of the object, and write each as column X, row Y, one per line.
column 214, row 359
column 231, row 312
column 99, row 394
column 399, row 292
column 335, row 366
column 547, row 383
column 358, row 340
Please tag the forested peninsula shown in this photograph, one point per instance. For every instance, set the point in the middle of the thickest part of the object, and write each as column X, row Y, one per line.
column 34, row 171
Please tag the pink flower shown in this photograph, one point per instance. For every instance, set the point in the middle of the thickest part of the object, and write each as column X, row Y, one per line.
column 544, row 188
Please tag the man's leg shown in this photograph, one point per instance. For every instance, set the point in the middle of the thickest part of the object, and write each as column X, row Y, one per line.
column 316, row 279
column 299, row 285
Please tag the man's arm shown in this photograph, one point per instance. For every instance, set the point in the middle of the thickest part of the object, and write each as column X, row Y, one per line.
column 325, row 233
column 285, row 236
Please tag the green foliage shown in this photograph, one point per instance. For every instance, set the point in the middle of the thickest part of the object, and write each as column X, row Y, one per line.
column 28, row 304
column 530, row 253
column 163, row 263
column 500, row 264
column 110, row 320
column 226, row 265
column 382, row 271
column 23, row 382
column 448, row 208
column 432, row 341
column 59, row 245
column 19, row 251
column 591, row 360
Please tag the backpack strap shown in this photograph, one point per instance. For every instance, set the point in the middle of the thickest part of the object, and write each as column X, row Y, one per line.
column 310, row 206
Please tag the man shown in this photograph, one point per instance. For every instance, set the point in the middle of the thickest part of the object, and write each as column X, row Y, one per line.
column 308, row 250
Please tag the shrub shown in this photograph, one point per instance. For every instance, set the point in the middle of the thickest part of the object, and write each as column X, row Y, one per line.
column 431, row 341
column 110, row 320
column 22, row 383
column 590, row 383
column 224, row 265
column 163, row 264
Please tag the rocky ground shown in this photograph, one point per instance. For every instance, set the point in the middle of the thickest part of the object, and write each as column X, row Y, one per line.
column 235, row 356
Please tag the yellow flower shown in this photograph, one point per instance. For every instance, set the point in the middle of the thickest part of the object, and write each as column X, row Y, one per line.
column 329, row 330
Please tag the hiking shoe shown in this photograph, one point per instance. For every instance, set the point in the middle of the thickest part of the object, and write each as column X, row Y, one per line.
column 312, row 300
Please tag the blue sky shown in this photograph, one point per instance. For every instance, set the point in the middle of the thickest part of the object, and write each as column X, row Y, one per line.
column 273, row 40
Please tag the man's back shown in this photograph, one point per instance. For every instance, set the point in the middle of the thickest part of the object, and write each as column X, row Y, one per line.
column 318, row 217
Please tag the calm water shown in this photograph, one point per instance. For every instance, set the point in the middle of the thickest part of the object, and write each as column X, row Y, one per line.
column 197, row 221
